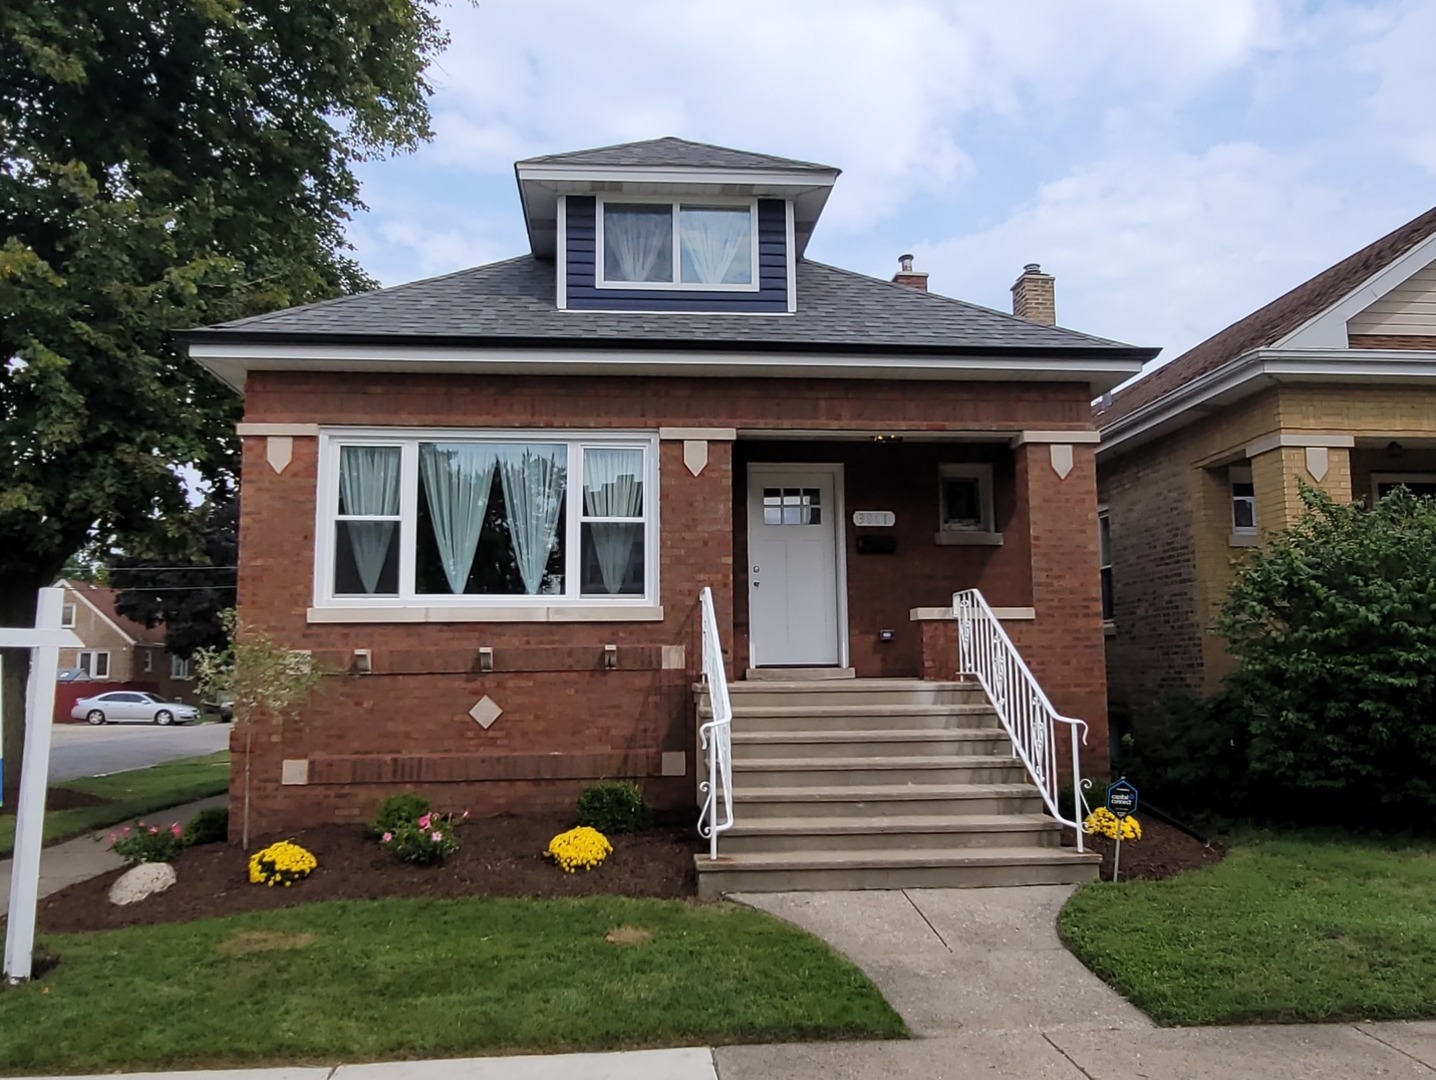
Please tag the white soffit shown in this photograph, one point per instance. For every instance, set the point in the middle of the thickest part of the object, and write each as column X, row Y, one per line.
column 1327, row 330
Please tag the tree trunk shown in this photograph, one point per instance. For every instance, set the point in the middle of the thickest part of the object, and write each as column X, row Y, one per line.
column 17, row 608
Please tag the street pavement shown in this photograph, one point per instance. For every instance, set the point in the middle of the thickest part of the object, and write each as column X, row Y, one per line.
column 78, row 750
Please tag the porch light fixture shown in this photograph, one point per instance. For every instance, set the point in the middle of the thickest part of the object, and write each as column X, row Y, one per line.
column 887, row 438
column 1394, row 449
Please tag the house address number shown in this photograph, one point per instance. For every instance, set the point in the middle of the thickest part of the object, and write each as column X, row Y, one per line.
column 874, row 519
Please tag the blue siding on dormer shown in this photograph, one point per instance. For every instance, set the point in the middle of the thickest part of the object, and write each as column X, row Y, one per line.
column 771, row 296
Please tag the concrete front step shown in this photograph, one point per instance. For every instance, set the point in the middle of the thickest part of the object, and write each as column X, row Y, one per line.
column 872, row 771
column 877, row 742
column 905, row 833
column 850, row 692
column 972, row 868
column 861, row 803
column 858, row 717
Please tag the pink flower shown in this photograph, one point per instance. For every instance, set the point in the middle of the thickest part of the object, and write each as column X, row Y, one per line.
column 153, row 830
column 466, row 814
column 113, row 838
column 175, row 830
column 386, row 837
column 436, row 837
column 125, row 831
column 424, row 821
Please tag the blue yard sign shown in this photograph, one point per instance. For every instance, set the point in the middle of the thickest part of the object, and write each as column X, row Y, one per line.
column 1122, row 798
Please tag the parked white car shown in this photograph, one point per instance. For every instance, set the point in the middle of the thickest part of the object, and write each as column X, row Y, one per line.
column 132, row 705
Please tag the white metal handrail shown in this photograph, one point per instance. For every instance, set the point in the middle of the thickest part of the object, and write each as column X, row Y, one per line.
column 987, row 653
column 716, row 736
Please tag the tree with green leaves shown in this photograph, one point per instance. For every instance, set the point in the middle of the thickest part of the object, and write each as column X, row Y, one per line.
column 165, row 164
column 1333, row 627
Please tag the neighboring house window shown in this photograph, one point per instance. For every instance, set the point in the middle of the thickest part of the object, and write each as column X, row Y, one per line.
column 1422, row 485
column 675, row 244
column 1243, row 499
column 179, row 667
column 429, row 521
column 67, row 615
column 1104, row 559
column 94, row 663
column 965, row 498
column 149, row 659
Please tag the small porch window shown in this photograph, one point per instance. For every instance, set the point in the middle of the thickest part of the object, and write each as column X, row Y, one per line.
column 148, row 659
column 67, row 615
column 1239, row 477
column 179, row 667
column 1422, row 485
column 678, row 245
column 965, row 498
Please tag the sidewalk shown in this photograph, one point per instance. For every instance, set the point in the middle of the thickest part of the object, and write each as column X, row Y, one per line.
column 82, row 858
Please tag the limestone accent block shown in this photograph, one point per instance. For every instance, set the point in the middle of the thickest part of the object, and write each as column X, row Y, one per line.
column 140, row 882
column 485, row 712
column 294, row 771
column 1318, row 462
column 695, row 455
column 674, row 763
column 675, row 657
column 1061, row 459
column 279, row 452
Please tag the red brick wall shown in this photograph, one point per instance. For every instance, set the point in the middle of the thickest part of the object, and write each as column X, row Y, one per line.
column 566, row 719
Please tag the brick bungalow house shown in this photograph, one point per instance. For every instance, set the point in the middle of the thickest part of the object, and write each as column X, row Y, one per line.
column 1332, row 384
column 117, row 651
column 493, row 499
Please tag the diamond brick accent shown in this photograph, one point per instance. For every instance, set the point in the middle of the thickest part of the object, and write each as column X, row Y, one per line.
column 485, row 711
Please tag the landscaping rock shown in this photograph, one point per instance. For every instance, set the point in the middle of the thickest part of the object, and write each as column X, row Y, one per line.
column 142, row 881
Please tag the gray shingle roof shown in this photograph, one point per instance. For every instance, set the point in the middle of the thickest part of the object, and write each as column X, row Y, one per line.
column 672, row 152
column 512, row 302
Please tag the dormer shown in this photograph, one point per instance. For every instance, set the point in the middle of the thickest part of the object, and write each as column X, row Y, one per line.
column 672, row 225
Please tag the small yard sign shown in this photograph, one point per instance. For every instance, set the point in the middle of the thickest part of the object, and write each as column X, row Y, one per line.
column 1122, row 799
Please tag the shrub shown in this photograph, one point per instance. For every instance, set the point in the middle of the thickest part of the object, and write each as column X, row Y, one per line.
column 282, row 863
column 579, row 849
column 209, row 826
column 1189, row 755
column 146, row 843
column 1333, row 626
column 425, row 841
column 614, row 806
column 397, row 810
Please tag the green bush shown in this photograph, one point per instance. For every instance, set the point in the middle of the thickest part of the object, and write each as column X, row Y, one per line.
column 425, row 841
column 614, row 806
column 1189, row 756
column 1333, row 626
column 209, row 826
column 398, row 810
column 146, row 843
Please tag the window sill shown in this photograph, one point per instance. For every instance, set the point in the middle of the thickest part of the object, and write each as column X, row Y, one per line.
column 531, row 613
column 1109, row 628
column 1238, row 539
column 963, row 538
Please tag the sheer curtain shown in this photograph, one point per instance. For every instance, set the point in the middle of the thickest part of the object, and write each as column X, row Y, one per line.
column 716, row 245
column 637, row 243
column 613, row 488
column 457, row 479
column 533, row 483
column 369, row 487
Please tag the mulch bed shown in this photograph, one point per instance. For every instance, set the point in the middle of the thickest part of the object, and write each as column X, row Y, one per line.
column 499, row 856
column 1163, row 852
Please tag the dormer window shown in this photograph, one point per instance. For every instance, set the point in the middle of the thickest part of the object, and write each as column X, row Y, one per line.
column 678, row 244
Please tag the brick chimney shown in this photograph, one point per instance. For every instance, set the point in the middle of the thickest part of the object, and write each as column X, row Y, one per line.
column 906, row 275
column 1034, row 296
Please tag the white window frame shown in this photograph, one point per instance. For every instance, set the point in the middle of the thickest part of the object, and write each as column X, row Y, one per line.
column 149, row 660
column 1241, row 474
column 67, row 615
column 982, row 473
column 470, row 605
column 180, row 668
column 1390, row 478
column 95, row 655
column 1104, row 557
column 676, row 285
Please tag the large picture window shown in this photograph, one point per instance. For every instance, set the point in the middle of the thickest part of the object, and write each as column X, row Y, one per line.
column 511, row 520
column 677, row 245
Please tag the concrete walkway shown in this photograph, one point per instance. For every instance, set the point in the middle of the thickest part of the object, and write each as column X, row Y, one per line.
column 90, row 856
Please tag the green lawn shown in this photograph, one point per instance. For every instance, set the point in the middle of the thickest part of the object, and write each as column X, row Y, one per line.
column 395, row 979
column 1285, row 929
column 129, row 794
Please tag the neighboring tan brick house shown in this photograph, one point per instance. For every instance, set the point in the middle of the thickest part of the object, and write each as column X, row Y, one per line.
column 1332, row 384
column 495, row 496
column 118, row 650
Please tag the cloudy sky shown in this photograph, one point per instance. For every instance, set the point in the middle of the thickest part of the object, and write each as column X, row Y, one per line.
column 1175, row 163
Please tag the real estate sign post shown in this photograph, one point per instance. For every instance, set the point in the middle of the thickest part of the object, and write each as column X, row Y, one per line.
column 44, row 642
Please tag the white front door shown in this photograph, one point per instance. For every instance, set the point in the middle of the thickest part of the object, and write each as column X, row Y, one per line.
column 793, row 579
